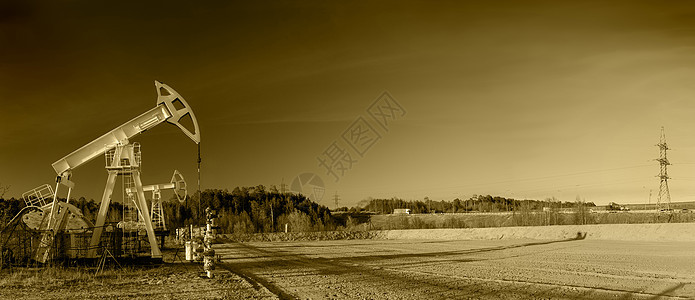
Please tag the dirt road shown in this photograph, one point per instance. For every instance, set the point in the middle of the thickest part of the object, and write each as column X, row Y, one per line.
column 432, row 269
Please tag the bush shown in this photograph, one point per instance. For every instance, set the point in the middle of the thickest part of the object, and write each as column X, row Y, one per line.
column 297, row 222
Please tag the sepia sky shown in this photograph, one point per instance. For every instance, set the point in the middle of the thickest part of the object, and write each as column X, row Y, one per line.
column 523, row 99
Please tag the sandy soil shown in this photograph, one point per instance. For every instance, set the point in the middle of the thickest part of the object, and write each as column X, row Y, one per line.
column 459, row 269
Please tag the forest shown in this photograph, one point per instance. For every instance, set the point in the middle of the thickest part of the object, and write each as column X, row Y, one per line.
column 259, row 209
column 243, row 210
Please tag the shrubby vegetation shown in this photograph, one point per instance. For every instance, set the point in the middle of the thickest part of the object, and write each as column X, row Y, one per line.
column 538, row 218
column 8, row 209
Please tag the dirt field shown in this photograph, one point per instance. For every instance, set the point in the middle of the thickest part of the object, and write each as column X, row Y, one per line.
column 622, row 261
column 460, row 269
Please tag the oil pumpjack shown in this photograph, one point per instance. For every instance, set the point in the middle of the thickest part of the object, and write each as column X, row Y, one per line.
column 46, row 214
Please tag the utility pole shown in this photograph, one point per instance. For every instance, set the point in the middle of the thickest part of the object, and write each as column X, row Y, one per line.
column 336, row 198
column 283, row 187
column 272, row 216
column 664, row 198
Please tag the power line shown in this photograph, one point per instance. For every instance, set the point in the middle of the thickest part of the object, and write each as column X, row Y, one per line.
column 540, row 179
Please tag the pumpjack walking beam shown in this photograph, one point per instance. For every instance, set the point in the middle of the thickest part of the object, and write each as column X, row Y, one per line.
column 166, row 110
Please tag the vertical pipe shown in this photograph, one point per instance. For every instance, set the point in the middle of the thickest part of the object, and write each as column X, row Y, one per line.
column 199, row 193
column 55, row 200
column 67, row 200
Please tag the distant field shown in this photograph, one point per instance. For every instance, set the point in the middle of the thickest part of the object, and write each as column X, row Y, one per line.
column 508, row 219
column 652, row 206
column 683, row 212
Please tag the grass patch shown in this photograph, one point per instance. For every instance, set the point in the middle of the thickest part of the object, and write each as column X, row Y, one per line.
column 59, row 276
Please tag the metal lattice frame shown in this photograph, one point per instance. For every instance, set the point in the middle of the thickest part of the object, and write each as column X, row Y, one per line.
column 663, row 202
column 157, row 211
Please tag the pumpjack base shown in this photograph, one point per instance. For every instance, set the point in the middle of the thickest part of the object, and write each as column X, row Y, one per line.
column 161, row 236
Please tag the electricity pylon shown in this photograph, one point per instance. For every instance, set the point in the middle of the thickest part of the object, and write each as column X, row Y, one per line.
column 664, row 199
column 336, row 198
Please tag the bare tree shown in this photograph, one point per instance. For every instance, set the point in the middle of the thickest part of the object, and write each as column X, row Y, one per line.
column 3, row 190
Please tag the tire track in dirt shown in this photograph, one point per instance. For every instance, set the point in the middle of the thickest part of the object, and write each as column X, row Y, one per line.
column 256, row 281
column 617, row 292
column 298, row 265
column 352, row 273
column 389, row 273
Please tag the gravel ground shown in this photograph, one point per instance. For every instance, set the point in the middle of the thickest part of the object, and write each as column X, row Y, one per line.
column 459, row 269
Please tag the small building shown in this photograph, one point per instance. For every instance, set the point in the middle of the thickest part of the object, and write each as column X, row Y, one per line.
column 398, row 211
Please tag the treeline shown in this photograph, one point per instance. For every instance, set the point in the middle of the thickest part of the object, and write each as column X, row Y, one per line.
column 243, row 210
column 476, row 203
column 259, row 209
